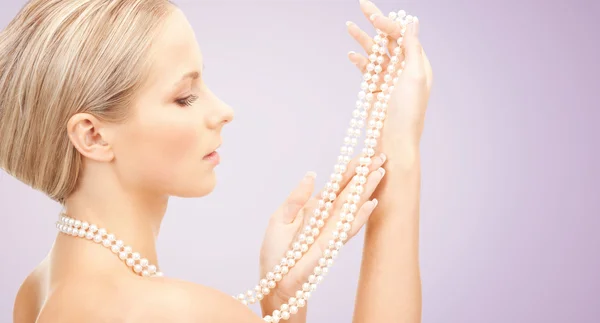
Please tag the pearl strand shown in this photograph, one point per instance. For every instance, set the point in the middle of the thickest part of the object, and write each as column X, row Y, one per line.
column 349, row 208
column 76, row 228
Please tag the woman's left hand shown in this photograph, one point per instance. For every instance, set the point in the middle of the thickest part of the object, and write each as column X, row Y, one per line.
column 292, row 218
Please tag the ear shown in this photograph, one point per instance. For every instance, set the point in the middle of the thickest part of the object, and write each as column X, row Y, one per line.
column 90, row 137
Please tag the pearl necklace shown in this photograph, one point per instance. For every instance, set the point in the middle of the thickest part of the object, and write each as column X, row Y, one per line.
column 328, row 196
column 309, row 234
column 133, row 260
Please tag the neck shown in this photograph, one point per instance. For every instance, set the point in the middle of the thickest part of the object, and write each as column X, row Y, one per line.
column 133, row 217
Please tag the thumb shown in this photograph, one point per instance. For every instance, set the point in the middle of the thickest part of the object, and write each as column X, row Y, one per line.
column 413, row 52
column 297, row 199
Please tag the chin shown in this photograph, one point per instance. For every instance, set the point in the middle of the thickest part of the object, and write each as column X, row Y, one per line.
column 199, row 188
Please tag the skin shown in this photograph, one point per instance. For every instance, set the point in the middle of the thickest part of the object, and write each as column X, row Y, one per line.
column 131, row 169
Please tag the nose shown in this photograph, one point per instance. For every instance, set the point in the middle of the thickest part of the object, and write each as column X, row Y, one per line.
column 222, row 114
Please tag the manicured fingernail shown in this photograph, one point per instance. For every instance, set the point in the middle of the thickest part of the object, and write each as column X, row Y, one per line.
column 381, row 170
column 383, row 157
column 375, row 202
column 351, row 53
column 348, row 23
column 415, row 29
column 310, row 174
column 374, row 16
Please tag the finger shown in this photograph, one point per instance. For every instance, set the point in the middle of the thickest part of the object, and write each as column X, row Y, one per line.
column 347, row 175
column 428, row 70
column 348, row 187
column 388, row 26
column 336, row 224
column 290, row 208
column 363, row 39
column 369, row 8
column 359, row 61
column 362, row 216
column 315, row 255
column 412, row 47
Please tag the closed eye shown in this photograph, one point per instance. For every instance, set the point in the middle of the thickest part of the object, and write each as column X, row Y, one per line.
column 187, row 101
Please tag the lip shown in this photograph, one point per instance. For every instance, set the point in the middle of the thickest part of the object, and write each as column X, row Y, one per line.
column 213, row 156
column 214, row 150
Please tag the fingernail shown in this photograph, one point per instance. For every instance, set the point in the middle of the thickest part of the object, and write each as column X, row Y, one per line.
column 374, row 16
column 383, row 157
column 351, row 53
column 381, row 170
column 348, row 23
column 375, row 202
column 416, row 27
column 311, row 174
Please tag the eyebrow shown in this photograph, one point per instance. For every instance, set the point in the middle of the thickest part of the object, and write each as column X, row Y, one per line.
column 193, row 75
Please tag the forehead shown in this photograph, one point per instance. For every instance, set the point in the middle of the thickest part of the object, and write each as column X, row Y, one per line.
column 174, row 52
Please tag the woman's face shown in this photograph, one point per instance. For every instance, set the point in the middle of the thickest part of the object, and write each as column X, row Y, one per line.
column 175, row 122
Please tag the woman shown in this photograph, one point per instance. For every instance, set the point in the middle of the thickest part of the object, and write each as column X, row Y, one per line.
column 103, row 108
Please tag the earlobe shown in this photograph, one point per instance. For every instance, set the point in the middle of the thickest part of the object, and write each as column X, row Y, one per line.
column 87, row 134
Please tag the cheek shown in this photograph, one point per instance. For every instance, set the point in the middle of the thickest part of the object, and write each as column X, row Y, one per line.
column 164, row 150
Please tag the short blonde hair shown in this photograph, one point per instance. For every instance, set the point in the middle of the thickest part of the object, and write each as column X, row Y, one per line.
column 62, row 57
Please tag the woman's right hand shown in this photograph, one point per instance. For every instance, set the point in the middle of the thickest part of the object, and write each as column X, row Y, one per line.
column 403, row 123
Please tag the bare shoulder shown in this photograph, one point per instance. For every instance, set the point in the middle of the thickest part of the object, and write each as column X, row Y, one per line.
column 134, row 299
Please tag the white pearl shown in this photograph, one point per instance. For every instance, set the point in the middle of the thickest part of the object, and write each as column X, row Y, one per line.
column 285, row 315
column 152, row 269
column 135, row 256
column 144, row 262
column 291, row 301
column 306, row 295
column 271, row 284
column 106, row 243
column 137, row 268
column 293, row 309
column 278, row 277
column 310, row 240
column 130, row 262
column 304, row 247
column 306, row 287
column 123, row 255
column 97, row 238
column 301, row 302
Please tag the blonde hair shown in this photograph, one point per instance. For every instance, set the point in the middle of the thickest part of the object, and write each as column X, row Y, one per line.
column 62, row 57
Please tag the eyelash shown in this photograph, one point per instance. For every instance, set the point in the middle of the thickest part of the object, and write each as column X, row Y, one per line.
column 187, row 101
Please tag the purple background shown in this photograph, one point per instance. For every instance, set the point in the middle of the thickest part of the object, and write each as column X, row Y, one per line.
column 510, row 200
